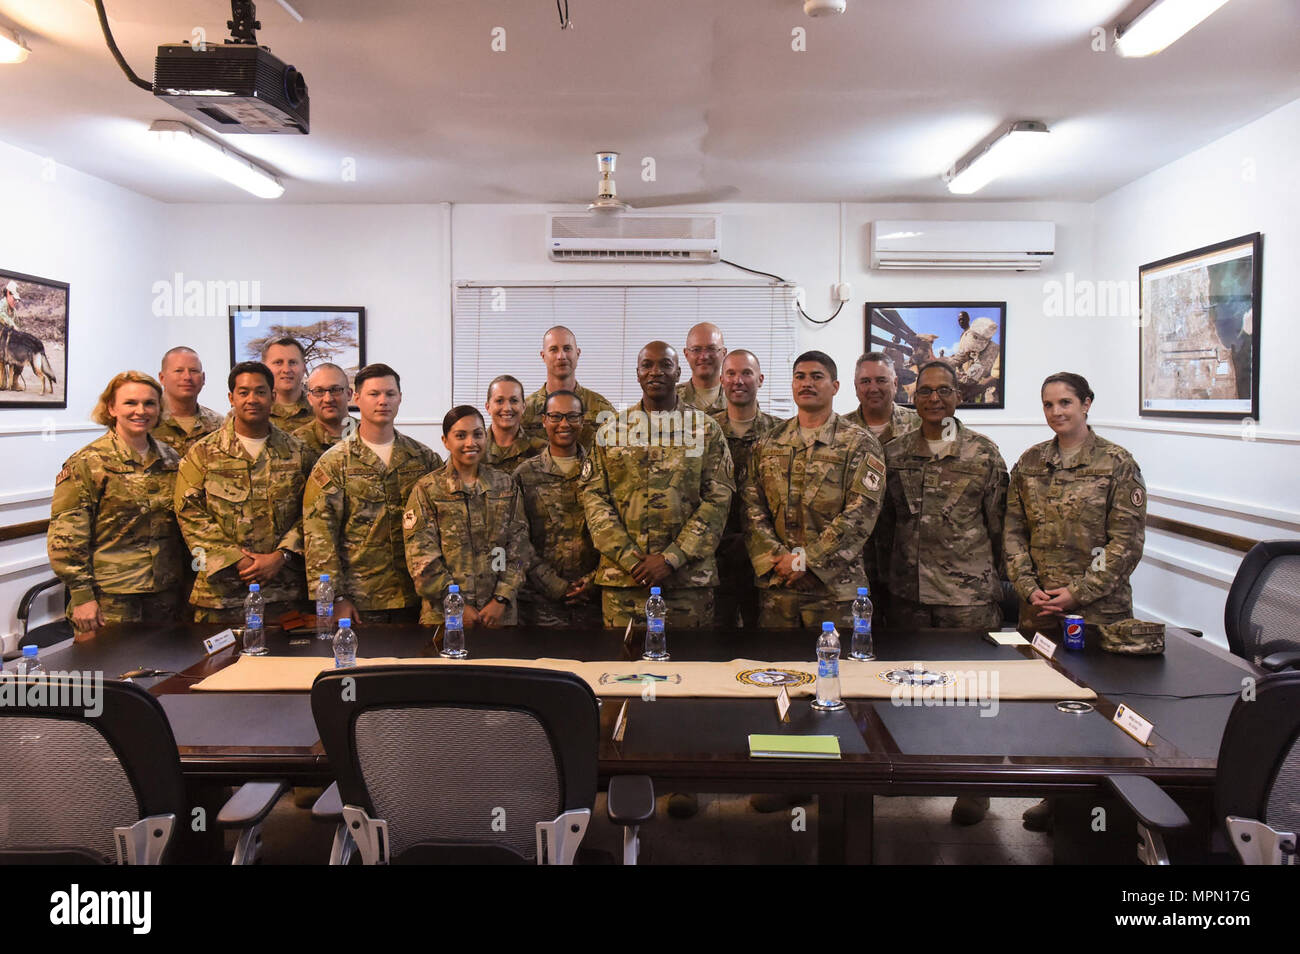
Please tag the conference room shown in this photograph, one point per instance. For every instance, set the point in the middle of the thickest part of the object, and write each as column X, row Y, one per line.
column 982, row 193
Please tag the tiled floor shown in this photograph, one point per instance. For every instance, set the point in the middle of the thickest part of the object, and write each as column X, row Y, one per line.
column 727, row 831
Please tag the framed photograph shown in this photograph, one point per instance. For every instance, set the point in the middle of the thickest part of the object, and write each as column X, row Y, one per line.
column 969, row 335
column 33, row 341
column 1198, row 353
column 337, row 335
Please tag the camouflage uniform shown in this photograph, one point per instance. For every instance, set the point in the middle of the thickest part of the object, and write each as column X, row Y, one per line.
column 824, row 497
column 649, row 493
column 290, row 417
column 319, row 440
column 1080, row 526
column 687, row 394
column 451, row 533
column 508, row 459
column 592, row 403
column 564, row 553
column 170, row 432
column 737, row 592
column 940, row 532
column 113, row 535
column 227, row 503
column 352, row 521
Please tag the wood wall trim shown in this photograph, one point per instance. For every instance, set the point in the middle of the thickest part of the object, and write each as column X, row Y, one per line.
column 1218, row 538
column 17, row 531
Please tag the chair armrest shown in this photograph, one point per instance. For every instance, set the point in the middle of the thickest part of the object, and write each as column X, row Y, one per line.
column 1148, row 802
column 1199, row 634
column 630, row 800
column 329, row 807
column 25, row 604
column 250, row 804
column 1276, row 662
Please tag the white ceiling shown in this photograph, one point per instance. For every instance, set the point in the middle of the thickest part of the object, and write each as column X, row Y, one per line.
column 885, row 98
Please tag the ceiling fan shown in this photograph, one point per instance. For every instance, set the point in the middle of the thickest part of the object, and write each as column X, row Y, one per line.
column 607, row 199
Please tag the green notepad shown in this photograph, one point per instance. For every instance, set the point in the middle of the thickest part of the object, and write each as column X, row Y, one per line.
column 794, row 747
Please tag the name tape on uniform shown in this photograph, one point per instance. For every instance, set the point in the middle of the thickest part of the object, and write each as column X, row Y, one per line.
column 1134, row 724
column 214, row 644
column 1044, row 645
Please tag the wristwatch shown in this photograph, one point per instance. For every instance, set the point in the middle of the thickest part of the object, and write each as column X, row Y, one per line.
column 501, row 599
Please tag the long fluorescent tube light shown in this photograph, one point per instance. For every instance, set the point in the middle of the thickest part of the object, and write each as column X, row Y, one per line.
column 1161, row 24
column 188, row 144
column 12, row 47
column 1008, row 151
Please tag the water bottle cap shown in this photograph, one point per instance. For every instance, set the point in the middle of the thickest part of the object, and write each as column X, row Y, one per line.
column 30, row 650
column 862, row 591
column 827, row 627
column 654, row 591
column 453, row 588
column 254, row 588
column 345, row 623
column 325, row 578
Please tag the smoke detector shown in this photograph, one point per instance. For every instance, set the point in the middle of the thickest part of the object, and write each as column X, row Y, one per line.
column 824, row 8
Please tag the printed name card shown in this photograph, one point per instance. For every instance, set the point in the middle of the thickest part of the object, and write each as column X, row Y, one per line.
column 783, row 705
column 1134, row 724
column 214, row 644
column 1044, row 645
column 620, row 724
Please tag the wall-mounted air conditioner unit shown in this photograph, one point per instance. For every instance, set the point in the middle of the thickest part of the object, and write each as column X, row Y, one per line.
column 969, row 246
column 633, row 237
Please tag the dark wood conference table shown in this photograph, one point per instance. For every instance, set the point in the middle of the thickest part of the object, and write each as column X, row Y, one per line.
column 693, row 744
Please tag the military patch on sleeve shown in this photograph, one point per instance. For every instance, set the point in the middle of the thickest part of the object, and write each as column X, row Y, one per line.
column 320, row 477
column 1136, row 497
column 408, row 520
column 876, row 464
column 872, row 481
column 64, row 474
column 585, row 474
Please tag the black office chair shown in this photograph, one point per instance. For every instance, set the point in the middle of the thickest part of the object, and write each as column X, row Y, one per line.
column 1262, row 615
column 1257, row 786
column 465, row 765
column 47, row 634
column 81, row 786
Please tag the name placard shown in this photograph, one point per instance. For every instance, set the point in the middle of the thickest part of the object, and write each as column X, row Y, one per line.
column 620, row 724
column 1134, row 724
column 783, row 705
column 214, row 644
column 1043, row 645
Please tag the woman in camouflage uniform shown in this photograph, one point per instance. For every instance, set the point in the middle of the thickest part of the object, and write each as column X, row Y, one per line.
column 508, row 445
column 113, row 537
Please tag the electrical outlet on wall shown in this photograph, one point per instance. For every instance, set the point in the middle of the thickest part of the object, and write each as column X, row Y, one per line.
column 842, row 292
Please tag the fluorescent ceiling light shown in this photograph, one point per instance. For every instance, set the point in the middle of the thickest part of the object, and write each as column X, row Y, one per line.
column 1160, row 24
column 12, row 47
column 1009, row 151
column 187, row 144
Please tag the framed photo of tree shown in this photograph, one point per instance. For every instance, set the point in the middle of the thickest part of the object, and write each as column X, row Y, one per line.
column 336, row 335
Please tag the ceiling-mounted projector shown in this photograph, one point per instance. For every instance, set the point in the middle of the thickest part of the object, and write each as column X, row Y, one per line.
column 232, row 88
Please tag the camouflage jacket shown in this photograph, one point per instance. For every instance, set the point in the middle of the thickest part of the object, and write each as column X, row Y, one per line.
column 508, row 459
column 824, row 497
column 901, row 420
column 1080, row 526
column 170, row 432
column 687, row 394
column 592, row 403
column 477, row 538
column 940, row 532
column 319, row 440
column 290, row 417
column 352, row 521
column 112, row 528
column 742, row 449
column 658, row 483
column 557, row 524
column 227, row 503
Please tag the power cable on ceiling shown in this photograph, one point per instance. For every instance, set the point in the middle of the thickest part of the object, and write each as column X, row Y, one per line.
column 117, row 54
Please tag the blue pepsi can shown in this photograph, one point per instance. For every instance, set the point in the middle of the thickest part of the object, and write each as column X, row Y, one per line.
column 1074, row 628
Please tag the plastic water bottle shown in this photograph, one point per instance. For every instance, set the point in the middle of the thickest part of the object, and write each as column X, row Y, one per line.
column 324, row 607
column 30, row 663
column 453, row 619
column 254, row 631
column 862, row 647
column 345, row 645
column 656, row 638
column 828, row 669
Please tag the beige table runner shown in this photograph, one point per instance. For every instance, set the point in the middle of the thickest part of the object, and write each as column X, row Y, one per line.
column 946, row 681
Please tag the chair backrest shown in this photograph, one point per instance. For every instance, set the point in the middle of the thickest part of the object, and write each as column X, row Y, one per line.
column 455, row 757
column 1262, row 614
column 69, row 775
column 1259, row 757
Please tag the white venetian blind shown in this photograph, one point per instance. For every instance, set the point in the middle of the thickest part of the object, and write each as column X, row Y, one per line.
column 497, row 329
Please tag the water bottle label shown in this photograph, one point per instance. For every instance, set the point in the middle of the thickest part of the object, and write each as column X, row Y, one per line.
column 454, row 622
column 828, row 668
column 862, row 625
column 253, row 621
column 655, row 626
column 325, row 609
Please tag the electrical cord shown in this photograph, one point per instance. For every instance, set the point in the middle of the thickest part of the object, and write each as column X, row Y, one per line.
column 565, row 22
column 755, row 271
column 117, row 54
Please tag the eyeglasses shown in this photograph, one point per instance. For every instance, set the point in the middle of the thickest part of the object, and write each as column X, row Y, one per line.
column 555, row 418
column 944, row 392
column 321, row 392
column 701, row 349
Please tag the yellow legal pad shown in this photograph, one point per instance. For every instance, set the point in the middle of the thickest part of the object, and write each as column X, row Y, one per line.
column 794, row 747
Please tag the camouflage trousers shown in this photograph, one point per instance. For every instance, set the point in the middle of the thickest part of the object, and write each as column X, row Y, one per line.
column 789, row 609
column 234, row 616
column 536, row 610
column 688, row 608
column 736, row 597
column 1050, row 625
column 163, row 607
column 907, row 614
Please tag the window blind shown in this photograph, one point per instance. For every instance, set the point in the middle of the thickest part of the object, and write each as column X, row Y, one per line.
column 497, row 329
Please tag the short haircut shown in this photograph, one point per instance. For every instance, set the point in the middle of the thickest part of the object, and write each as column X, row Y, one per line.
column 878, row 356
column 250, row 367
column 179, row 349
column 952, row 372
column 558, row 328
column 745, row 352
column 285, row 342
column 818, row 357
column 504, row 377
column 1075, row 382
column 376, row 371
column 564, row 392
column 103, row 414
column 456, row 413
column 329, row 366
